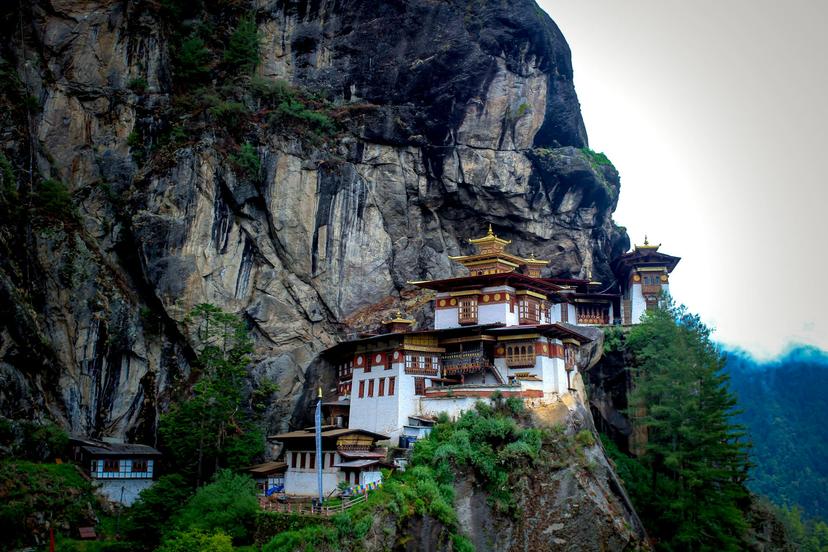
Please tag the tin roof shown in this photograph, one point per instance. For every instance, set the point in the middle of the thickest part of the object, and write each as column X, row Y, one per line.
column 306, row 434
column 101, row 448
column 266, row 468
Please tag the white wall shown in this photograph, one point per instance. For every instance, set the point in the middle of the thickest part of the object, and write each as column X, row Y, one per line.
column 446, row 318
column 111, row 489
column 639, row 305
column 489, row 313
column 304, row 482
column 453, row 406
column 367, row 477
column 378, row 414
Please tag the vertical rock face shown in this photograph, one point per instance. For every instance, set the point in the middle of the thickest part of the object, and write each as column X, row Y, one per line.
column 468, row 117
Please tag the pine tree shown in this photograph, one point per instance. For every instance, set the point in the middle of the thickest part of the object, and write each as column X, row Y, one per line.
column 210, row 429
column 695, row 454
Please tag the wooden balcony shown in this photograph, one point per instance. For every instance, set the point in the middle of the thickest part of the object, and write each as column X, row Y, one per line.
column 420, row 370
column 466, row 362
column 515, row 360
column 651, row 289
column 593, row 318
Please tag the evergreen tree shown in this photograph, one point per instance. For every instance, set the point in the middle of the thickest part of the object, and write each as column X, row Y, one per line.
column 695, row 454
column 243, row 48
column 210, row 429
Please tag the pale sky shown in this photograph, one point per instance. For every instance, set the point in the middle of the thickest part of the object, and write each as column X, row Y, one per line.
column 715, row 112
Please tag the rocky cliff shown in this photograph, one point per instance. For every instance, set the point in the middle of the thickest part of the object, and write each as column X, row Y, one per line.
column 439, row 117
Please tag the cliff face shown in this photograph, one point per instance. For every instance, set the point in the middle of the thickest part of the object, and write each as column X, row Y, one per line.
column 452, row 115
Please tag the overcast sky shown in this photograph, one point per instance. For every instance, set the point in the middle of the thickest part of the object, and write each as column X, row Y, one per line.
column 715, row 112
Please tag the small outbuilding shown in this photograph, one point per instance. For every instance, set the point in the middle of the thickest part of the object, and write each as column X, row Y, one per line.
column 269, row 477
column 120, row 471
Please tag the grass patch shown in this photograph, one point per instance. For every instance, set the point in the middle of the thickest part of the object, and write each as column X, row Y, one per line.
column 596, row 159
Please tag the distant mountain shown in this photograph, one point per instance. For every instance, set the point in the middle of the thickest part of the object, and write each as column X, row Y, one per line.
column 785, row 408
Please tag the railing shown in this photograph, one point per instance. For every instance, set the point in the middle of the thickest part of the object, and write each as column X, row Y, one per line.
column 593, row 318
column 651, row 289
column 527, row 359
column 308, row 508
column 464, row 362
column 417, row 369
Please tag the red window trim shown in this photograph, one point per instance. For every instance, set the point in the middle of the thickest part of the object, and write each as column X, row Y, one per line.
column 362, row 389
column 371, row 388
column 381, row 390
column 391, row 385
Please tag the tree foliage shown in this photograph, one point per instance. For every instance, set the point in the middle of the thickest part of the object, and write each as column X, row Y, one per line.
column 152, row 514
column 243, row 47
column 228, row 504
column 210, row 430
column 197, row 540
column 695, row 455
column 192, row 60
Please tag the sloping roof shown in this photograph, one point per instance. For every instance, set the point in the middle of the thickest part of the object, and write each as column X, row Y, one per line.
column 266, row 468
column 399, row 336
column 515, row 279
column 556, row 330
column 356, row 464
column 101, row 448
column 306, row 434
column 362, row 454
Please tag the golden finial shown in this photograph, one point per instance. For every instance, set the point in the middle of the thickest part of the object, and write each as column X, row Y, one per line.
column 646, row 241
column 491, row 233
column 399, row 314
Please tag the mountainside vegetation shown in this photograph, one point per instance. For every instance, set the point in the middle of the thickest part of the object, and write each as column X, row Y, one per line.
column 782, row 403
column 688, row 481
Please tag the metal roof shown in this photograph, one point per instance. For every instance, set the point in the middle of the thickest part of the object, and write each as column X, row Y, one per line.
column 266, row 468
column 309, row 434
column 356, row 463
column 101, row 448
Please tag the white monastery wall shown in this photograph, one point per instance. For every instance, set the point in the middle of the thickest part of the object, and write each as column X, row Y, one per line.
column 639, row 305
column 381, row 414
column 446, row 318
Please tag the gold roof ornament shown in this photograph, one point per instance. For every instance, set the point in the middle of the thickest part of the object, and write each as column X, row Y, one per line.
column 490, row 237
column 399, row 319
column 533, row 261
column 647, row 245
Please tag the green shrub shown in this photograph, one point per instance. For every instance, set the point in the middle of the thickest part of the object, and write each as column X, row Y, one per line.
column 197, row 540
column 52, row 200
column 138, row 84
column 243, row 49
column 461, row 543
column 307, row 539
column 192, row 60
column 293, row 112
column 8, row 182
column 247, row 161
column 596, row 159
column 229, row 114
column 151, row 515
column 228, row 503
column 585, row 438
column 272, row 91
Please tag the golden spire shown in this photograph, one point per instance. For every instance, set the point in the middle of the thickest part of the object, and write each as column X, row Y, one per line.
column 647, row 244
